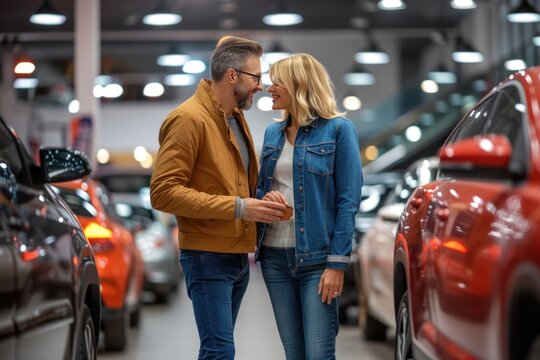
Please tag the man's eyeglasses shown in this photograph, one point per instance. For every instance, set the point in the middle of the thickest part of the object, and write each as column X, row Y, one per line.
column 258, row 77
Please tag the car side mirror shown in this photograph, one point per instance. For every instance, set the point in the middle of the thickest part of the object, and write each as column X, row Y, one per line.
column 61, row 164
column 490, row 152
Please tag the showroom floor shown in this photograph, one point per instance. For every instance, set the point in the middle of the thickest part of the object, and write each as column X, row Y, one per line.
column 169, row 332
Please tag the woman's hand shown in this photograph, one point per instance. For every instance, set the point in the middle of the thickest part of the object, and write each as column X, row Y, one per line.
column 275, row 196
column 331, row 284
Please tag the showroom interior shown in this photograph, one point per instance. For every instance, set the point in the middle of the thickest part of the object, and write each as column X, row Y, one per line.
column 97, row 79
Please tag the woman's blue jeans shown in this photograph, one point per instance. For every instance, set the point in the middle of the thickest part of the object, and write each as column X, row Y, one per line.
column 307, row 326
column 216, row 284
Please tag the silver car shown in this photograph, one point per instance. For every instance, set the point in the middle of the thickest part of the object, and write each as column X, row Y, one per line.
column 376, row 253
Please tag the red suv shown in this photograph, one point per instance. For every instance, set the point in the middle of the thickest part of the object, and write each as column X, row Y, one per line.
column 467, row 249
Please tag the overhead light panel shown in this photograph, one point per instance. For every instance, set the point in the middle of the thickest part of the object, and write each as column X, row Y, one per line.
column 283, row 17
column 465, row 53
column 442, row 75
column 275, row 53
column 463, row 4
column 173, row 57
column 523, row 13
column 373, row 55
column 358, row 76
column 391, row 5
column 46, row 14
column 160, row 16
column 515, row 64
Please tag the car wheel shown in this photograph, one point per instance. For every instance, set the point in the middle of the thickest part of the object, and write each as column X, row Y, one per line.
column 534, row 350
column 86, row 340
column 403, row 347
column 116, row 332
column 135, row 317
column 372, row 329
column 162, row 296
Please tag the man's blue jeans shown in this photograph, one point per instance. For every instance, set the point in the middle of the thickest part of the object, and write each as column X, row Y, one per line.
column 307, row 326
column 216, row 284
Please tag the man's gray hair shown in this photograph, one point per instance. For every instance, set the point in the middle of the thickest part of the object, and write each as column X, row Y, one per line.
column 232, row 52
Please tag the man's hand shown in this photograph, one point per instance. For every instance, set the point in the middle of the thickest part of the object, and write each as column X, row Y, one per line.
column 263, row 210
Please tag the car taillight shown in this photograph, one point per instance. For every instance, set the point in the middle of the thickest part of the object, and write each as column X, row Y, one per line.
column 99, row 237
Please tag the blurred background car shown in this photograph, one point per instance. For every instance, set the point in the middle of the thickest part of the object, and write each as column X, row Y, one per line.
column 155, row 232
column 467, row 249
column 376, row 253
column 119, row 261
column 49, row 285
column 375, row 189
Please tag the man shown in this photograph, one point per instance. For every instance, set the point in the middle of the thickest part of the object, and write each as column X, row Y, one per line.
column 205, row 174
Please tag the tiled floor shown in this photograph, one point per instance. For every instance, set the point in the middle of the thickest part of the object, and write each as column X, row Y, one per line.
column 169, row 332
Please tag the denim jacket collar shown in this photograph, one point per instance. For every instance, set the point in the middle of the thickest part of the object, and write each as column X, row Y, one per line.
column 287, row 122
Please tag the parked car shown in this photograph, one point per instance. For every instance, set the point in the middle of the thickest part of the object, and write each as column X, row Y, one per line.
column 376, row 253
column 375, row 189
column 49, row 285
column 467, row 250
column 154, row 234
column 119, row 261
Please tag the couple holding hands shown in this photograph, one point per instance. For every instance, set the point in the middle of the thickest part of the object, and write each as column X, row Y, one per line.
column 295, row 207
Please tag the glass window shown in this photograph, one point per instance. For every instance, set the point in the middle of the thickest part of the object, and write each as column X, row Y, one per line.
column 10, row 154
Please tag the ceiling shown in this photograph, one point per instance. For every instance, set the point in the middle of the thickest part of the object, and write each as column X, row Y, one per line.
column 133, row 46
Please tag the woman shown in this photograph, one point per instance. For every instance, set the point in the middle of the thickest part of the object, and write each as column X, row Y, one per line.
column 310, row 160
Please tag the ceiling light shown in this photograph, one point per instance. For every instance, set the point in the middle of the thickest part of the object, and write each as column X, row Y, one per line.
column 265, row 103
column 194, row 67
column 442, row 75
column 515, row 65
column 113, row 91
column 46, row 14
column 465, row 53
column 74, row 106
column 173, row 57
column 413, row 133
column 103, row 156
column 25, row 83
column 357, row 76
column 352, row 103
column 180, row 80
column 160, row 16
column 429, row 86
column 153, row 89
column 373, row 55
column 275, row 53
column 536, row 40
column 523, row 13
column 282, row 17
column 25, row 67
column 391, row 5
column 463, row 4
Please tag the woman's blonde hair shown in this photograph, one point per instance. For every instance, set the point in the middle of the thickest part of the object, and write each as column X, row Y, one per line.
column 305, row 79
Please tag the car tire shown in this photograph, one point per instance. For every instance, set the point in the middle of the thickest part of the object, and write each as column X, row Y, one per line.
column 403, row 343
column 116, row 332
column 135, row 317
column 86, row 339
column 372, row 329
column 534, row 350
column 162, row 296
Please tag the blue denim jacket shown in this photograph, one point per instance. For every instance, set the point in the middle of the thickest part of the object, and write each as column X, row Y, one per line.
column 327, row 177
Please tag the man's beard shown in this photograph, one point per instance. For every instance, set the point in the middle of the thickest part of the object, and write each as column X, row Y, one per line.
column 242, row 96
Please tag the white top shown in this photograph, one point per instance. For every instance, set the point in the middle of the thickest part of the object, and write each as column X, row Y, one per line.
column 281, row 233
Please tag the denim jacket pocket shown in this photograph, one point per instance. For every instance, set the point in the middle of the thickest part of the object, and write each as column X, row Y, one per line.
column 320, row 158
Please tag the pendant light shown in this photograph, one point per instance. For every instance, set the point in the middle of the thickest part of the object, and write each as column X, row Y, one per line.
column 160, row 16
column 523, row 13
column 465, row 53
column 46, row 14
